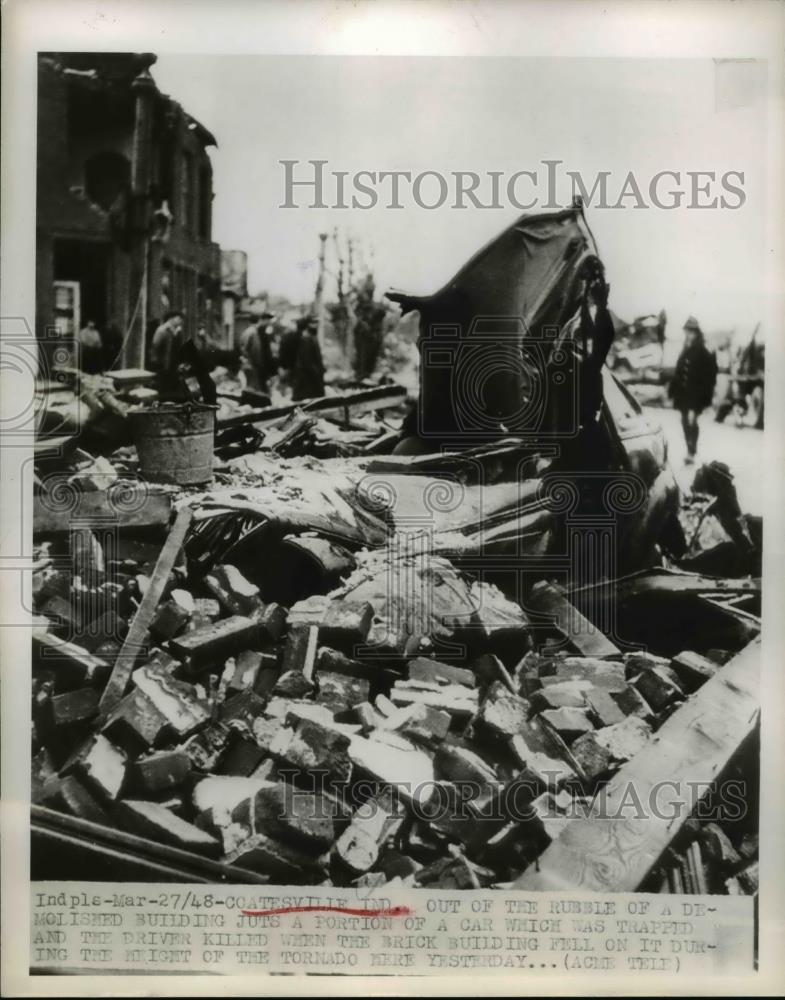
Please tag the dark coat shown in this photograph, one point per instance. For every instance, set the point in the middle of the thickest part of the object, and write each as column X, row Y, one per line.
column 308, row 376
column 692, row 385
column 258, row 357
column 290, row 346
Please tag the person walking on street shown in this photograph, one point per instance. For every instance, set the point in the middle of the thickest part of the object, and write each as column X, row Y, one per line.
column 308, row 373
column 692, row 386
column 256, row 352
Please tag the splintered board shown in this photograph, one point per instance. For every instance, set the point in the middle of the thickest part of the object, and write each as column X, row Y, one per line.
column 152, row 509
column 137, row 632
column 615, row 851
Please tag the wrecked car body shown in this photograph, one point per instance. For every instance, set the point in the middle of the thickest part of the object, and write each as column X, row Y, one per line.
column 515, row 345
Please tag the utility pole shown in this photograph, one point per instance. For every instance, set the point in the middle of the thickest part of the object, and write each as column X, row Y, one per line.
column 351, row 346
column 318, row 304
column 133, row 355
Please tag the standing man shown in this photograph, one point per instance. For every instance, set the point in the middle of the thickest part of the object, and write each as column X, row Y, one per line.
column 167, row 342
column 692, row 386
column 165, row 349
column 176, row 360
column 89, row 352
column 204, row 347
column 308, row 376
column 287, row 353
column 257, row 354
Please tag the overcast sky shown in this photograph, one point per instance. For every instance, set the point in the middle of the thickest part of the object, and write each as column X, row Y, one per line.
column 480, row 114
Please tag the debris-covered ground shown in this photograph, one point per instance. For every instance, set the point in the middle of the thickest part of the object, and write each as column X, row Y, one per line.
column 289, row 673
column 376, row 648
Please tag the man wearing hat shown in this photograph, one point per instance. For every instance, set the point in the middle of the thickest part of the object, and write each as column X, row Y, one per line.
column 300, row 359
column 692, row 385
column 256, row 352
column 308, row 369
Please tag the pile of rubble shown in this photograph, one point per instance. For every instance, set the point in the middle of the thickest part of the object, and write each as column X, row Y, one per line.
column 388, row 718
column 94, row 412
column 345, row 666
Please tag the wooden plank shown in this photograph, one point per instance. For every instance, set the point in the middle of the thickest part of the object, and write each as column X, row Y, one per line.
column 663, row 581
column 137, row 633
column 615, row 851
column 177, row 864
column 378, row 398
column 96, row 506
column 74, row 665
column 130, row 378
column 585, row 637
column 53, row 446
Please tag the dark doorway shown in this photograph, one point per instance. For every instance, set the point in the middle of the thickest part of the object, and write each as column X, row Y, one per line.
column 86, row 262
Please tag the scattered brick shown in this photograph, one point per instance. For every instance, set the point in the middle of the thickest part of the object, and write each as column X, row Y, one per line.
column 692, row 669
column 160, row 771
column 101, row 765
column 345, row 624
column 502, row 713
column 169, row 620
column 422, row 669
column 68, row 795
column 569, row 723
column 271, row 622
column 210, row 645
column 659, row 687
column 339, row 692
column 74, row 707
column 176, row 700
column 150, row 819
column 135, row 724
column 233, row 592
column 603, row 708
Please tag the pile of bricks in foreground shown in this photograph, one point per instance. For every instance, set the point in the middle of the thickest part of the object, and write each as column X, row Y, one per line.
column 253, row 734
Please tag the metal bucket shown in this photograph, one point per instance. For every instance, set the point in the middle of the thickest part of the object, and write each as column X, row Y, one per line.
column 175, row 442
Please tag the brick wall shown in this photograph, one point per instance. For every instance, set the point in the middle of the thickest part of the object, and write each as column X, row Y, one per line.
column 64, row 212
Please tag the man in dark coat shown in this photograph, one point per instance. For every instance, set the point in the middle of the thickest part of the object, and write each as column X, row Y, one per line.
column 308, row 374
column 300, row 360
column 287, row 353
column 167, row 342
column 692, row 386
column 174, row 357
column 89, row 349
column 257, row 355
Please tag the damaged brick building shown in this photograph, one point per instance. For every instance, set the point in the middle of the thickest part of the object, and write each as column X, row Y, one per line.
column 124, row 205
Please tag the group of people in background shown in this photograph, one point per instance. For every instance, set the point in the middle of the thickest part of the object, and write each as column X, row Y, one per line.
column 296, row 358
column 293, row 357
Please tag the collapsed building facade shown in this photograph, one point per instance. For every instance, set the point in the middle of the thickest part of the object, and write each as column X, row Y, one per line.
column 124, row 206
column 434, row 648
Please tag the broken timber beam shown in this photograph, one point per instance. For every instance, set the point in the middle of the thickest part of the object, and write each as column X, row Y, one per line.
column 664, row 581
column 155, row 511
column 615, row 851
column 546, row 598
column 92, row 847
column 378, row 398
column 137, row 633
